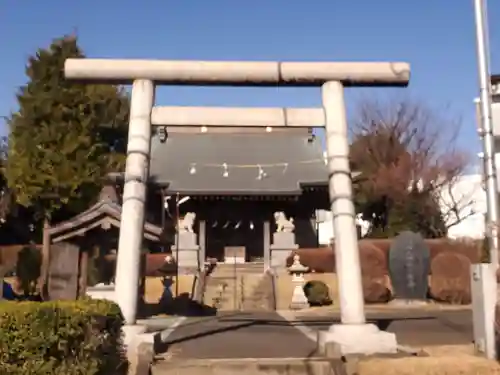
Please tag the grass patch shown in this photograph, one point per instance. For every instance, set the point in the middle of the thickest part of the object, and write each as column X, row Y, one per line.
column 442, row 360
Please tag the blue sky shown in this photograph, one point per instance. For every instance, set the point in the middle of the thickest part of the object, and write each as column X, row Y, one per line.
column 434, row 36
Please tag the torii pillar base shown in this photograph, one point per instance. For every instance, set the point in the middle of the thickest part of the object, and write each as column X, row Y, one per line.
column 365, row 339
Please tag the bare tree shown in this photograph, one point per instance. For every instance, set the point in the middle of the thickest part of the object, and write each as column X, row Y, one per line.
column 404, row 146
column 458, row 198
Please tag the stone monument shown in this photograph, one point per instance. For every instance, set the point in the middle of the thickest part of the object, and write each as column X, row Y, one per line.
column 186, row 245
column 299, row 299
column 283, row 241
column 409, row 264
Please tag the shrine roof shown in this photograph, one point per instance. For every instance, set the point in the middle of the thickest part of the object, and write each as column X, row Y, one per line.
column 104, row 214
column 194, row 163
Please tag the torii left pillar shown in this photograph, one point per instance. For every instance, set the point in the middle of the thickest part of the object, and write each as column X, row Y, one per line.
column 353, row 335
column 133, row 206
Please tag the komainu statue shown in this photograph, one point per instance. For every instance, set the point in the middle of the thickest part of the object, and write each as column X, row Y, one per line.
column 187, row 222
column 282, row 223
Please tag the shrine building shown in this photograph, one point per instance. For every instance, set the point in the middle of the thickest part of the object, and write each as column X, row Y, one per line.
column 234, row 186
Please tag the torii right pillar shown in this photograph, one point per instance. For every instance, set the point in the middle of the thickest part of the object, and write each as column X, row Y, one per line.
column 353, row 335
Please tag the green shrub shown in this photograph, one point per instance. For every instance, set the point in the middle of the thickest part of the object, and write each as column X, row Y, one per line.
column 61, row 338
column 317, row 293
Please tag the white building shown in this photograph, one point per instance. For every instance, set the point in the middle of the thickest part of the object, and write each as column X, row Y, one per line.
column 325, row 227
column 468, row 197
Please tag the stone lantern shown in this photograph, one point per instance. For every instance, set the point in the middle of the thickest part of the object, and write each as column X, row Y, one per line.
column 299, row 299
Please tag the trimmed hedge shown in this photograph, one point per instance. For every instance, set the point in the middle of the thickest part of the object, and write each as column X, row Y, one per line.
column 154, row 263
column 322, row 260
column 375, row 290
column 449, row 273
column 450, row 280
column 467, row 247
column 373, row 261
column 66, row 337
column 373, row 271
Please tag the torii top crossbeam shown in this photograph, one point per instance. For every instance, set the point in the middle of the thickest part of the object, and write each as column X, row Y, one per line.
column 238, row 73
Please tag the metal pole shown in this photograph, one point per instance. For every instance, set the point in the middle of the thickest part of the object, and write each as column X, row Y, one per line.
column 177, row 218
column 235, row 291
column 487, row 127
column 163, row 220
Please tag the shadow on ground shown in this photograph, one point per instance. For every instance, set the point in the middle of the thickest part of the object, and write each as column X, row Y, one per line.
column 268, row 335
column 182, row 305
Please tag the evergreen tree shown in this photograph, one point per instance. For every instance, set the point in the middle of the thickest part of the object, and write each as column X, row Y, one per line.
column 65, row 137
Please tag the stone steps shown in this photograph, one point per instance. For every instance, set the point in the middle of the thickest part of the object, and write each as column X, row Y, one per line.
column 250, row 284
column 216, row 291
column 228, row 269
column 234, row 291
column 262, row 297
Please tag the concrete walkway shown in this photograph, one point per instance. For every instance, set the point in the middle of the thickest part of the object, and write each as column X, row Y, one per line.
column 292, row 335
column 239, row 335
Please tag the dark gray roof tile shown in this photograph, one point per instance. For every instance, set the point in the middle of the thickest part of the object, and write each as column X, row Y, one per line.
column 290, row 160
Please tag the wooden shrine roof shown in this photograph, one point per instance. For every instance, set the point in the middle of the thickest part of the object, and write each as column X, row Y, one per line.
column 290, row 162
column 104, row 214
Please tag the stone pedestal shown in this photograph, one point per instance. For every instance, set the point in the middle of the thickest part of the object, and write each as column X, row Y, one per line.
column 299, row 299
column 186, row 252
column 267, row 245
column 106, row 292
column 283, row 244
column 132, row 336
column 408, row 302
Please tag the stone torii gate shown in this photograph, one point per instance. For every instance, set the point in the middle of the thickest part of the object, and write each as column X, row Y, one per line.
column 353, row 334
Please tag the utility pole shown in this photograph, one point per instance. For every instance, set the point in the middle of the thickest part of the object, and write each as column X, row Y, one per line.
column 488, row 141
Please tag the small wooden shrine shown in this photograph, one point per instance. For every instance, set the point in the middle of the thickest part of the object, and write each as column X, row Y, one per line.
column 93, row 233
